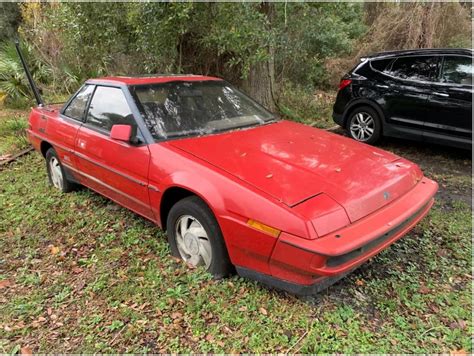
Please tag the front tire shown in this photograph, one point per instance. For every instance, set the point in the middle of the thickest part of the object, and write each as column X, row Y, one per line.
column 56, row 173
column 195, row 236
column 365, row 125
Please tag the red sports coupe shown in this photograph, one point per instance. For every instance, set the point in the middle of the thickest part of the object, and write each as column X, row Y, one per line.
column 235, row 188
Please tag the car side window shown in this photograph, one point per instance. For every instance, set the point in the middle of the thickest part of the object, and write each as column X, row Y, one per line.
column 457, row 70
column 109, row 107
column 77, row 107
column 423, row 68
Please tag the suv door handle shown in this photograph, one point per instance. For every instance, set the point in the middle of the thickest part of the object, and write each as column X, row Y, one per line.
column 382, row 86
column 441, row 94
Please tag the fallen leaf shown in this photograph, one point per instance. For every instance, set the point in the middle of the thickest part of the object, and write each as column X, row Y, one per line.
column 176, row 315
column 5, row 283
column 458, row 352
column 77, row 270
column 263, row 311
column 243, row 308
column 424, row 289
column 54, row 250
column 360, row 282
column 25, row 350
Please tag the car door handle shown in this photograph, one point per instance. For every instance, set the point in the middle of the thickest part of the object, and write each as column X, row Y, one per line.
column 382, row 86
column 444, row 95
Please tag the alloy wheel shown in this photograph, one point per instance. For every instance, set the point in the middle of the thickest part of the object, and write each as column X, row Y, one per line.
column 362, row 126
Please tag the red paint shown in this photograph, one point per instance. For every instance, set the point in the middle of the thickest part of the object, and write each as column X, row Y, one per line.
column 121, row 132
column 312, row 185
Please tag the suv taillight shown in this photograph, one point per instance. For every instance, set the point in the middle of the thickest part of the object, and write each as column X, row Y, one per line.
column 344, row 83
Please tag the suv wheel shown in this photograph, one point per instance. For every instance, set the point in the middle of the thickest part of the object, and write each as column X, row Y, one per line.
column 364, row 125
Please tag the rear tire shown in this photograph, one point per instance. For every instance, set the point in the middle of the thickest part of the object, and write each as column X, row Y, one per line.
column 56, row 173
column 364, row 125
column 195, row 236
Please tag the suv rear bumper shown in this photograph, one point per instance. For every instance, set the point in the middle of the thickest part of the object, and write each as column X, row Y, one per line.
column 338, row 118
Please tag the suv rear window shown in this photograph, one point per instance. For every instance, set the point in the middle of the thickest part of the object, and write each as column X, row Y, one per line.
column 423, row 68
column 458, row 70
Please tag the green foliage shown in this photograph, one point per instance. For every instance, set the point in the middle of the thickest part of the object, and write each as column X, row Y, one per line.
column 310, row 33
column 303, row 104
column 13, row 82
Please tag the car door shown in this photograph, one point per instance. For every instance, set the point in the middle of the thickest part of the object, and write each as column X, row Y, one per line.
column 409, row 86
column 63, row 132
column 117, row 169
column 451, row 99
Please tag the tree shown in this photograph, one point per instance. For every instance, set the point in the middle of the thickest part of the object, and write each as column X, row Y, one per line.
column 10, row 18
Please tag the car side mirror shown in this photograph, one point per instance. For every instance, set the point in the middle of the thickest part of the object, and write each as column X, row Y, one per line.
column 121, row 133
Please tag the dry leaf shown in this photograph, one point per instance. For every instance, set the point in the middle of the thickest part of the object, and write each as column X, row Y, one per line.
column 458, row 352
column 243, row 308
column 5, row 283
column 263, row 311
column 176, row 315
column 360, row 282
column 424, row 290
column 25, row 350
column 54, row 250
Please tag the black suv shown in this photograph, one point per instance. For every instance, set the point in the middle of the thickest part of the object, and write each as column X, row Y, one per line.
column 421, row 94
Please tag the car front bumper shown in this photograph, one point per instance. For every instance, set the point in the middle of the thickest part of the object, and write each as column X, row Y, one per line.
column 303, row 266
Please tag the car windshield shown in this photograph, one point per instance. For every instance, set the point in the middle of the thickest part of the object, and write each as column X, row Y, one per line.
column 180, row 108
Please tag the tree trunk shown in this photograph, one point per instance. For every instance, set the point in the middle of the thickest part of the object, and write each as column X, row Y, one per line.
column 260, row 82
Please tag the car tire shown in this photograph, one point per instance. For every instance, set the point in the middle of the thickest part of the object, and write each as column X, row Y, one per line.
column 56, row 173
column 195, row 236
column 364, row 125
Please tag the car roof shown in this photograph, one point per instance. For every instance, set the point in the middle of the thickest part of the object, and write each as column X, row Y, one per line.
column 422, row 51
column 150, row 79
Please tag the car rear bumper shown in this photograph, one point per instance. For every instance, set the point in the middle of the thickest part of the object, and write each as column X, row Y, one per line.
column 305, row 266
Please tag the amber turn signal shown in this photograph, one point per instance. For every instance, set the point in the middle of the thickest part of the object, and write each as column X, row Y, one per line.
column 257, row 225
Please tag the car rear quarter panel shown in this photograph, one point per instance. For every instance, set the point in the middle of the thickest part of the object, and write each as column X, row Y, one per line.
column 46, row 125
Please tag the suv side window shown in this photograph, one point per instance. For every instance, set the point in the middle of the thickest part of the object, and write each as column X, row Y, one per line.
column 77, row 107
column 380, row 64
column 457, row 70
column 109, row 107
column 422, row 68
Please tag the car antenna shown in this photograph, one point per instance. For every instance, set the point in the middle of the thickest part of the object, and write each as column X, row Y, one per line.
column 33, row 86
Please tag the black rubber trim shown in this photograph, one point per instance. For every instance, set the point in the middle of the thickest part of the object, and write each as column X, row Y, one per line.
column 339, row 260
column 293, row 288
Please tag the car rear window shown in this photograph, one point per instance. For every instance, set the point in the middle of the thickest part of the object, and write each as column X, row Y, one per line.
column 77, row 106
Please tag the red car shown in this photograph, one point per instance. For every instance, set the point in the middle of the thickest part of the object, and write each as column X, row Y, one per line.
column 234, row 187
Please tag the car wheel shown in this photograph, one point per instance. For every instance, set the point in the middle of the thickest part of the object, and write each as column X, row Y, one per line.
column 56, row 174
column 365, row 125
column 195, row 237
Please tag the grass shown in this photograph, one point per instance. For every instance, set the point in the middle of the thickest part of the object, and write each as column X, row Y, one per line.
column 12, row 131
column 78, row 274
column 307, row 106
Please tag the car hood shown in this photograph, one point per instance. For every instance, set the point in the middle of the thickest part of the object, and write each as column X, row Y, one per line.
column 293, row 163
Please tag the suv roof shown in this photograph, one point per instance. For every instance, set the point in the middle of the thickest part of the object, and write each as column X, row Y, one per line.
column 150, row 79
column 422, row 51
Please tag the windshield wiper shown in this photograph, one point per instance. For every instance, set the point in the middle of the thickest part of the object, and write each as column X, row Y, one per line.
column 189, row 133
